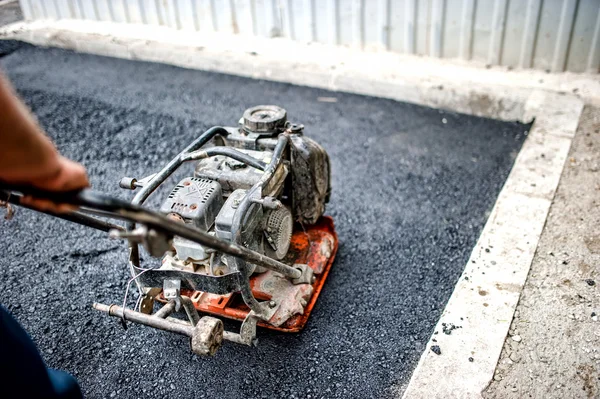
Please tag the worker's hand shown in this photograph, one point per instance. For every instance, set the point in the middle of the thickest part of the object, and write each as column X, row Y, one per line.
column 65, row 176
column 28, row 157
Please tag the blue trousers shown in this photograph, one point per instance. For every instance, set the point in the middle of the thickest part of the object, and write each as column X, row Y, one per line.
column 23, row 370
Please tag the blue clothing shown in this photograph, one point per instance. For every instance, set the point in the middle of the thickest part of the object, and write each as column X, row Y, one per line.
column 22, row 367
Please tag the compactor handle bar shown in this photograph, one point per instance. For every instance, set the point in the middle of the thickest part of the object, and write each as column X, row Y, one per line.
column 116, row 208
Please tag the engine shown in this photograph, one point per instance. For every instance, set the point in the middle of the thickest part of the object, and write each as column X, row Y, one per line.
column 210, row 199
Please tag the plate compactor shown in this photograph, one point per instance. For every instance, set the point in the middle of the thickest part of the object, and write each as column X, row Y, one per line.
column 244, row 238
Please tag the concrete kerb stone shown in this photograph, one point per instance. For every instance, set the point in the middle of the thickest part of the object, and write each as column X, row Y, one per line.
column 487, row 293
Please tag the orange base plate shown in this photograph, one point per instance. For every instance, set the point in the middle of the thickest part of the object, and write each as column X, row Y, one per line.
column 315, row 246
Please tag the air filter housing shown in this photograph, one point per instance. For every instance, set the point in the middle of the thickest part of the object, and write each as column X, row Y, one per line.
column 196, row 200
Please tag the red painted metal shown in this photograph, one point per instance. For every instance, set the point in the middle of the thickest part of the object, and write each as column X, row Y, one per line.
column 315, row 246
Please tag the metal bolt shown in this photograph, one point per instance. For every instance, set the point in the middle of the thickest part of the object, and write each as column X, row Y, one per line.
column 313, row 279
column 272, row 304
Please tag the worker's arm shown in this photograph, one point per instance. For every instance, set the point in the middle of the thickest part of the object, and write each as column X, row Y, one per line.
column 27, row 156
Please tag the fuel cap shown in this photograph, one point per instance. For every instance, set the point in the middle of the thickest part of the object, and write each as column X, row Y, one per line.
column 264, row 118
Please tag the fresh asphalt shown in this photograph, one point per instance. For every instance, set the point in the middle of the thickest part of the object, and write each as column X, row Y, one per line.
column 412, row 188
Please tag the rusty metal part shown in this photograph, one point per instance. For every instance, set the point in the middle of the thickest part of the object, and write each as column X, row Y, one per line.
column 154, row 226
column 128, row 183
column 131, row 183
column 158, row 178
column 312, row 178
column 147, row 303
column 154, row 240
column 141, row 318
column 236, row 230
column 307, row 274
column 166, row 310
column 10, row 211
column 281, row 296
column 247, row 335
column 228, row 152
column 264, row 119
column 190, row 310
column 316, row 247
column 206, row 336
column 75, row 217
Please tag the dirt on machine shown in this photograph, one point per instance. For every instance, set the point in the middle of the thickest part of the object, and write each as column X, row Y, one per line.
column 243, row 237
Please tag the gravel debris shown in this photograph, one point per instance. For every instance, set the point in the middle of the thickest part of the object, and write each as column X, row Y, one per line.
column 447, row 328
column 436, row 349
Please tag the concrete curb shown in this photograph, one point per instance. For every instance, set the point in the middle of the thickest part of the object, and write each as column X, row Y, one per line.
column 487, row 293
column 472, row 329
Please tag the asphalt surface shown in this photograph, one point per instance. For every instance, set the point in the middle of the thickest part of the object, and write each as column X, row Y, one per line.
column 412, row 187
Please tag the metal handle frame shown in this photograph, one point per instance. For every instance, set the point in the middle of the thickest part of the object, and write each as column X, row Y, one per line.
column 133, row 213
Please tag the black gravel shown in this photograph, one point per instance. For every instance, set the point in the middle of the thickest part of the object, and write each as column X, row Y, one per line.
column 410, row 197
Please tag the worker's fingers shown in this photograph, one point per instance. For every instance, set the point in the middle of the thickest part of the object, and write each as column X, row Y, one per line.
column 47, row 205
column 68, row 177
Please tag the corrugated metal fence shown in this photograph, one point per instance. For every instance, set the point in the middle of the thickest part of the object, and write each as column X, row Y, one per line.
column 553, row 35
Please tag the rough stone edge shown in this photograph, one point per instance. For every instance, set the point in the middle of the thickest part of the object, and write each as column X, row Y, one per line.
column 486, row 295
column 514, row 227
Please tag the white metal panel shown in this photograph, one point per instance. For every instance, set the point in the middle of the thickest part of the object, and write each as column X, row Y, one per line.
column 588, row 15
column 323, row 18
column 451, row 28
column 422, row 26
column 372, row 26
column 345, row 24
column 331, row 22
column 482, row 30
column 465, row 40
column 101, row 10
column 546, row 39
column 63, row 9
column 395, row 25
column 301, row 11
column 243, row 17
column 497, row 32
column 530, row 31
column 565, row 29
column 149, row 12
column 552, row 35
column 436, row 28
column 51, row 9
column 221, row 15
column 37, row 9
column 205, row 15
column 593, row 63
column 410, row 22
column 26, row 9
column 516, row 20
column 134, row 11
